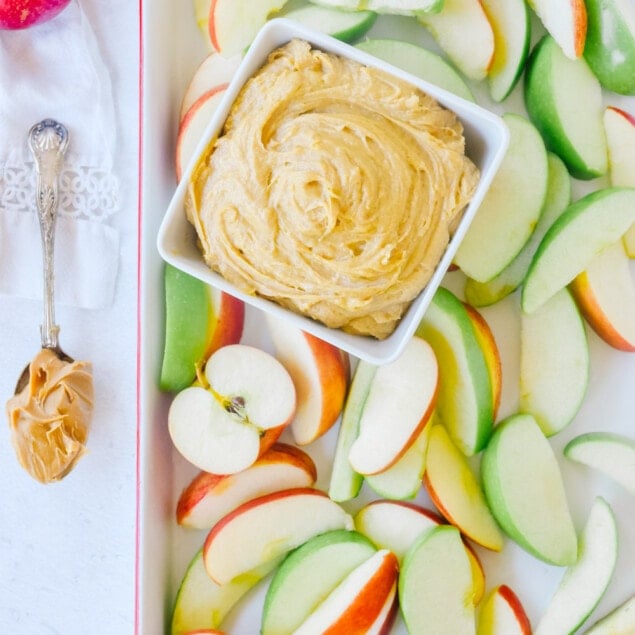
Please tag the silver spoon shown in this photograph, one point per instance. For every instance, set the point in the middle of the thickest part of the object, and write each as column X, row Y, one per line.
column 48, row 141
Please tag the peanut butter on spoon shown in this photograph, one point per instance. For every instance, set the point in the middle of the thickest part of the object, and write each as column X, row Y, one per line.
column 50, row 413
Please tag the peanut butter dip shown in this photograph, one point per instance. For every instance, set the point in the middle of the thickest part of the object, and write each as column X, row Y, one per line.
column 49, row 418
column 333, row 189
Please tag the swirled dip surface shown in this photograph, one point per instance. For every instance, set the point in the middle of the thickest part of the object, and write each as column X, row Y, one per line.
column 49, row 418
column 333, row 189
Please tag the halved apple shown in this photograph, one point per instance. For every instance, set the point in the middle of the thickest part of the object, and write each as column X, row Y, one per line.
column 220, row 427
column 503, row 614
column 557, row 199
column 564, row 100
column 524, row 490
column 610, row 453
column 325, row 560
column 455, row 490
column 209, row 497
column 620, row 621
column 403, row 392
column 268, row 527
column 566, row 21
column 319, row 376
column 361, row 603
column 587, row 227
column 435, row 583
column 554, row 362
column 463, row 32
column 465, row 393
column 584, row 583
column 605, row 293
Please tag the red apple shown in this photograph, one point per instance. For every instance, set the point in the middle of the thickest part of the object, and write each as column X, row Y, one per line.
column 20, row 14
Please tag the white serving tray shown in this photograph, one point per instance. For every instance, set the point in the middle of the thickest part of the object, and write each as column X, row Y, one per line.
column 172, row 48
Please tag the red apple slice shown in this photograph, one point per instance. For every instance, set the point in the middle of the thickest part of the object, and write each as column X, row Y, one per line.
column 566, row 21
column 319, row 375
column 503, row 614
column 220, row 427
column 209, row 497
column 403, row 393
column 268, row 527
column 193, row 126
column 360, row 603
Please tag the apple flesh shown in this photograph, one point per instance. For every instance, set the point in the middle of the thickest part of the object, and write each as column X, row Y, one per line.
column 219, row 427
column 268, row 527
column 523, row 487
column 503, row 614
column 395, row 7
column 21, row 14
column 342, row 25
column 209, row 497
column 620, row 621
column 584, row 583
column 566, row 21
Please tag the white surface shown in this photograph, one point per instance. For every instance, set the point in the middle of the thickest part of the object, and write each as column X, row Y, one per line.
column 67, row 549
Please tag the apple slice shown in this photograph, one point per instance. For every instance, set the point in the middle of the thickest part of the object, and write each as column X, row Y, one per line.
column 202, row 604
column 419, row 62
column 620, row 138
column 325, row 560
column 219, row 427
column 435, row 583
column 512, row 33
column 193, row 125
column 395, row 7
column 503, row 614
column 361, row 603
column 564, row 100
column 402, row 480
column 557, row 199
column 605, row 293
column 584, row 583
column 587, row 227
column 566, row 21
column 268, row 527
column 233, row 24
column 456, row 492
column 215, row 70
column 403, row 392
column 345, row 482
column 319, row 376
column 209, row 497
column 199, row 319
column 620, row 621
column 342, row 25
column 610, row 43
column 465, row 393
column 463, row 32
column 610, row 453
column 201, row 15
column 495, row 236
column 524, row 490
column 554, row 363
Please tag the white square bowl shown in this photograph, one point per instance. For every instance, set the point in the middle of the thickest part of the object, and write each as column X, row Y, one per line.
column 486, row 138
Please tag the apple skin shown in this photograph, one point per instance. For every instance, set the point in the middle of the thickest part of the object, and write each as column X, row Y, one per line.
column 21, row 14
column 610, row 44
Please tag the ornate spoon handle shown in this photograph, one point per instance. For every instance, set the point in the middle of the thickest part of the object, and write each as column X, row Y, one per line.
column 48, row 141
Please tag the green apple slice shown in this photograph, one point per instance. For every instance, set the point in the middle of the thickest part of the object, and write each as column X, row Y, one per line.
column 436, row 585
column 610, row 43
column 325, row 560
column 395, row 7
column 512, row 32
column 588, row 226
column 564, row 100
column 464, row 404
column 345, row 482
column 343, row 25
column 201, row 603
column 525, row 493
column 620, row 621
column 584, row 583
column 496, row 236
column 554, row 363
column 557, row 199
column 419, row 62
column 610, row 453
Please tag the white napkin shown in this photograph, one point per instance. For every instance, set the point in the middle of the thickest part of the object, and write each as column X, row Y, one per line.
column 55, row 70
